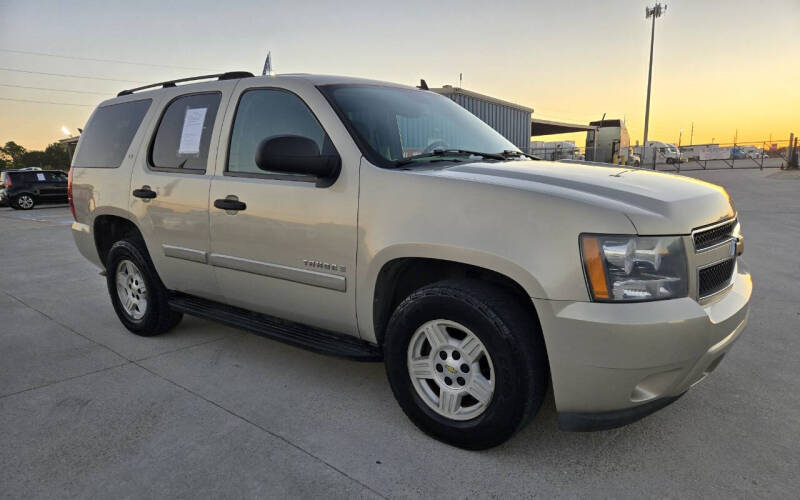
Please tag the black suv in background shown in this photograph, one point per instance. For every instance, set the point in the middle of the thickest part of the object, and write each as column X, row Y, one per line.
column 24, row 189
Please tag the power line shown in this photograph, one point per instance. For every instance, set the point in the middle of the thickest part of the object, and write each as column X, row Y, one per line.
column 53, row 90
column 46, row 102
column 70, row 76
column 45, row 54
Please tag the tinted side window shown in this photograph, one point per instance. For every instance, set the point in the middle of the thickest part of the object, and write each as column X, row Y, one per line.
column 109, row 133
column 55, row 177
column 265, row 113
column 184, row 134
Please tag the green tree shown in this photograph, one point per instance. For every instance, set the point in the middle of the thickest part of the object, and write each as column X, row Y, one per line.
column 33, row 159
column 14, row 150
column 57, row 156
column 54, row 157
column 5, row 160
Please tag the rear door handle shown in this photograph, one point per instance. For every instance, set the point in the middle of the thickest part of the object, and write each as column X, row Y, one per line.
column 145, row 193
column 230, row 204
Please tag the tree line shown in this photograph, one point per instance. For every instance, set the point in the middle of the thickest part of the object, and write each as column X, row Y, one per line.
column 54, row 157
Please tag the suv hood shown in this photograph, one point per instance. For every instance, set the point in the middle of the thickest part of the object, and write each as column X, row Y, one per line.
column 655, row 202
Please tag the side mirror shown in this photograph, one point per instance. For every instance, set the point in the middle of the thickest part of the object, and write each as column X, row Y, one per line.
column 295, row 154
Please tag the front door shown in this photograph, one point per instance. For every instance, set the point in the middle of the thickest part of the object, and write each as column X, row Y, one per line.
column 288, row 247
column 170, row 183
column 56, row 186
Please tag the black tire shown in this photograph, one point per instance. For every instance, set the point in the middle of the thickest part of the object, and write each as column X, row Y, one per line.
column 510, row 333
column 19, row 202
column 158, row 317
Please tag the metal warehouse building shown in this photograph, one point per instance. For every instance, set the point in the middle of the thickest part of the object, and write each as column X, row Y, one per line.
column 511, row 120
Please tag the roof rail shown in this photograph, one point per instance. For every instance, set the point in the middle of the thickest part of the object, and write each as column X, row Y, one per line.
column 230, row 75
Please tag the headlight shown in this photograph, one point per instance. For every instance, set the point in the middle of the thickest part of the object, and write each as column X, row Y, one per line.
column 631, row 268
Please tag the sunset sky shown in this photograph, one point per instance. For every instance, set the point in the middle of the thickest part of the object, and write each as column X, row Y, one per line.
column 722, row 65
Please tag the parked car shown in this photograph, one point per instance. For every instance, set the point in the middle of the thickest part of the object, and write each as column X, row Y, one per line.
column 291, row 206
column 3, row 201
column 664, row 153
column 24, row 189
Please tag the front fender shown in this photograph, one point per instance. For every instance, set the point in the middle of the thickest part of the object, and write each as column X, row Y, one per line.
column 368, row 280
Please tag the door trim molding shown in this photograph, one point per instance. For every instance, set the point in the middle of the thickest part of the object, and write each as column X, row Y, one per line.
column 185, row 253
column 304, row 276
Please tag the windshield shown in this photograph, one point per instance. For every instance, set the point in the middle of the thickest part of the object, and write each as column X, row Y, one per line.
column 392, row 124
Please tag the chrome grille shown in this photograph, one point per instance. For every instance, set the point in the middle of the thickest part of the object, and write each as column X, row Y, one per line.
column 716, row 277
column 710, row 237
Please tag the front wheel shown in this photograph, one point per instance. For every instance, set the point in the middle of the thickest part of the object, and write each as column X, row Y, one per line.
column 466, row 362
column 137, row 294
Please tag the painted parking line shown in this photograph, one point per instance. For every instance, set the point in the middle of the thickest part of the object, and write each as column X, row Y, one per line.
column 59, row 216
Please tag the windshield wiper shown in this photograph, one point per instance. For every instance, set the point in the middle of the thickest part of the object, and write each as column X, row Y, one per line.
column 508, row 153
column 450, row 152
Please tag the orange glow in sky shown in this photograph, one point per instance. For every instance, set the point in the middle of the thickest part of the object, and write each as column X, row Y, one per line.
column 724, row 66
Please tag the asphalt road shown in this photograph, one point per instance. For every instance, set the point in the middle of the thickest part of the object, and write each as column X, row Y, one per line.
column 90, row 410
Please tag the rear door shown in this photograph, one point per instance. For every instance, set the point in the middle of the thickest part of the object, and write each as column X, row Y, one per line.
column 28, row 183
column 170, row 183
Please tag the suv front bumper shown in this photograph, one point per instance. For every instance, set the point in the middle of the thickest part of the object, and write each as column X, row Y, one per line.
column 612, row 364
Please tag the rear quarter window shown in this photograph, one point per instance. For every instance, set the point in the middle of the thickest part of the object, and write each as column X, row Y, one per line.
column 109, row 133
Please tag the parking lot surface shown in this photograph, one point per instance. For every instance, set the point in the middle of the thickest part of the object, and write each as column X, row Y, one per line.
column 89, row 410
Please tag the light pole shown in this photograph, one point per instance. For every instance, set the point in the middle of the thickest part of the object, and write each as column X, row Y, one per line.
column 679, row 139
column 654, row 12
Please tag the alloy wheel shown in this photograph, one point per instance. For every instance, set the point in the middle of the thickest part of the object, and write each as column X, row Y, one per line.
column 451, row 369
column 25, row 201
column 131, row 290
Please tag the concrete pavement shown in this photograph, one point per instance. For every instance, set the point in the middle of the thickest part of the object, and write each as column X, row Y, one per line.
column 89, row 410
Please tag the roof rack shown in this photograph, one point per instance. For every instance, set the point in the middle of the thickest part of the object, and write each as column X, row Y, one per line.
column 231, row 75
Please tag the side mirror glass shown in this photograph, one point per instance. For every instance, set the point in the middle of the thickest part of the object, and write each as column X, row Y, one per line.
column 294, row 154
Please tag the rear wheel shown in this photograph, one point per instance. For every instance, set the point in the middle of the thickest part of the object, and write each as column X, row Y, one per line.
column 466, row 362
column 137, row 294
column 24, row 201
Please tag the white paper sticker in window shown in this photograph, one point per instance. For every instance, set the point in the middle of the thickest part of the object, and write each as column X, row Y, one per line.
column 40, row 177
column 192, row 131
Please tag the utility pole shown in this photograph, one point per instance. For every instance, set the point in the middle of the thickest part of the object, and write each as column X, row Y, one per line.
column 691, row 136
column 654, row 12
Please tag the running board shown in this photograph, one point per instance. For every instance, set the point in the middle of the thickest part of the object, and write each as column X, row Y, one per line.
column 296, row 334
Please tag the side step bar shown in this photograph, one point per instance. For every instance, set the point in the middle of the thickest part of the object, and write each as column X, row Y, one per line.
column 296, row 334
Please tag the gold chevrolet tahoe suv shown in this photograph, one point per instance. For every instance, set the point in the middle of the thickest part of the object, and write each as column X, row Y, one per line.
column 377, row 221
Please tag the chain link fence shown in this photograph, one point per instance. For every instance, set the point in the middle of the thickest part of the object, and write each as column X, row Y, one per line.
column 669, row 157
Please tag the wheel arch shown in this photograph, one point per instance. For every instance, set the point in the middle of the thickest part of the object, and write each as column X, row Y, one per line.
column 108, row 229
column 398, row 277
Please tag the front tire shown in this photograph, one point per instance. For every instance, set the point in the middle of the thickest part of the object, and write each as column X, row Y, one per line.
column 24, row 201
column 466, row 362
column 137, row 294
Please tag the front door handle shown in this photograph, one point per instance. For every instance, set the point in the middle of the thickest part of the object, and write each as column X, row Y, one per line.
column 230, row 203
column 145, row 193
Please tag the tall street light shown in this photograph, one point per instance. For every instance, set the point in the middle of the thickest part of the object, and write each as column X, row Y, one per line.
column 654, row 12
